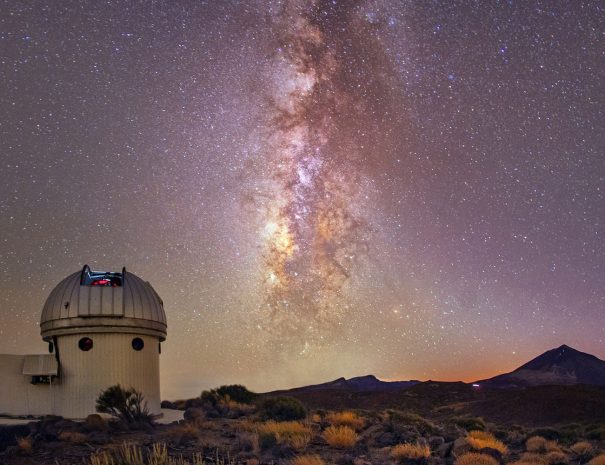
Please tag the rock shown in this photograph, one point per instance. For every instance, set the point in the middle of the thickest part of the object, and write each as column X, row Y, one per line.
column 460, row 446
column 436, row 441
column 386, row 439
column 493, row 452
column 445, row 449
column 346, row 459
column 435, row 461
column 193, row 414
column 95, row 422
column 361, row 460
column 98, row 437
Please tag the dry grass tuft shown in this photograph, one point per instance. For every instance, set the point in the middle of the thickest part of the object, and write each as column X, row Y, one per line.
column 72, row 436
column 341, row 437
column 598, row 460
column 533, row 457
column 474, row 458
column 294, row 433
column 130, row 454
column 552, row 446
column 307, row 460
column 582, row 449
column 536, row 444
column 180, row 434
column 410, row 451
column 345, row 418
column 25, row 445
column 481, row 439
column 557, row 457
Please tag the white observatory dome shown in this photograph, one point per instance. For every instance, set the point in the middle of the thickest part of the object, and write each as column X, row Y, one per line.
column 103, row 302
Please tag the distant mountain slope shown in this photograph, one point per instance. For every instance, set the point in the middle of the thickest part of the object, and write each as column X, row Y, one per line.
column 561, row 366
column 366, row 383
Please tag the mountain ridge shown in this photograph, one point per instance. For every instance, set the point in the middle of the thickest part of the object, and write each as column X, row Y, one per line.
column 563, row 365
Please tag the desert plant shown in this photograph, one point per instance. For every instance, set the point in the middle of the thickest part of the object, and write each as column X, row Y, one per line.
column 481, row 439
column 470, row 423
column 294, row 433
column 423, row 426
column 547, row 433
column 283, row 409
column 598, row 460
column 127, row 404
column 556, row 457
column 409, row 451
column 535, row 444
column 182, row 433
column 341, row 437
column 345, row 418
column 533, row 457
column 238, row 393
column 234, row 392
column 583, row 450
column 307, row 460
column 130, row 454
column 474, row 458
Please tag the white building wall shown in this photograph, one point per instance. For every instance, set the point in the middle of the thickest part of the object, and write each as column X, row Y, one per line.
column 17, row 395
column 112, row 360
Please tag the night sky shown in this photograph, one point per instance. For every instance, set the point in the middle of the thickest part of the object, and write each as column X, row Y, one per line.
column 413, row 189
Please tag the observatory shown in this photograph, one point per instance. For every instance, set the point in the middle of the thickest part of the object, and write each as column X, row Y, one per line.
column 102, row 328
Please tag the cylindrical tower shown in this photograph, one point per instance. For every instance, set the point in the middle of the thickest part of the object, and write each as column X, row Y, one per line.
column 105, row 328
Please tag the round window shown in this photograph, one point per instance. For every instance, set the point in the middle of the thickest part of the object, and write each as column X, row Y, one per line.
column 85, row 344
column 137, row 343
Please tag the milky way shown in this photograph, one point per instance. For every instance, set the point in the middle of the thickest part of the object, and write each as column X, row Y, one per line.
column 315, row 188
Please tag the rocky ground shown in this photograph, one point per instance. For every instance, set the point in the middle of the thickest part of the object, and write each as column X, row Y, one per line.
column 244, row 435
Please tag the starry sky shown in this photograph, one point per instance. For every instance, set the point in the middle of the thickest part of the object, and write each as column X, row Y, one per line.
column 413, row 189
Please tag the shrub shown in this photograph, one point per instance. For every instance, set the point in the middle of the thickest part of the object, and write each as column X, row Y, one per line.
column 283, row 409
column 410, row 451
column 474, row 458
column 536, row 444
column 72, row 436
column 423, row 426
column 533, row 457
column 238, row 393
column 481, row 439
column 470, row 423
column 341, row 437
column 557, row 457
column 346, row 418
column 307, row 460
column 294, row 433
column 583, row 450
column 182, row 433
column 126, row 404
column 547, row 433
column 595, row 431
column 598, row 460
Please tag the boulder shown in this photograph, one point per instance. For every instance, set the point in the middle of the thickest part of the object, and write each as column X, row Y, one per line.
column 461, row 446
column 445, row 449
column 95, row 422
column 436, row 441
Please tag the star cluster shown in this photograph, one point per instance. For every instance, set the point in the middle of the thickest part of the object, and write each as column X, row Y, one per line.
column 315, row 188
